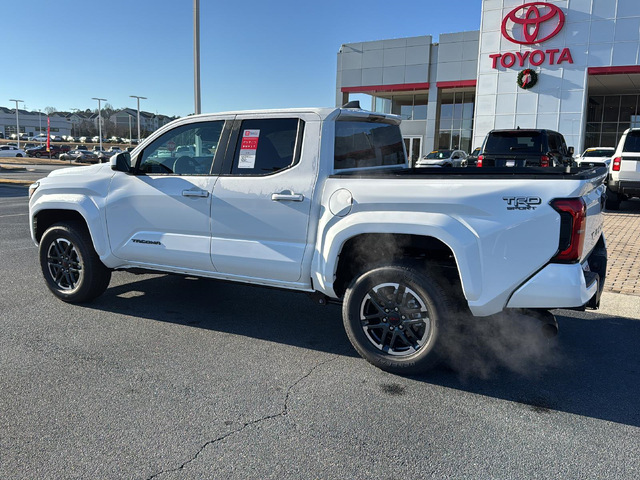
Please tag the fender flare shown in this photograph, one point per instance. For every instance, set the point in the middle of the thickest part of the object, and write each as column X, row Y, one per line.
column 82, row 204
column 458, row 237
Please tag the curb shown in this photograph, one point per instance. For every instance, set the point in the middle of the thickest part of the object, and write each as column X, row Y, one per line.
column 619, row 305
column 15, row 181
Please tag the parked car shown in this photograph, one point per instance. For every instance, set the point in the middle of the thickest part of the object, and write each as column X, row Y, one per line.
column 472, row 159
column 408, row 253
column 1, row 135
column 595, row 157
column 624, row 170
column 84, row 156
column 442, row 158
column 40, row 138
column 81, row 147
column 10, row 151
column 54, row 152
column 114, row 149
column 525, row 148
column 29, row 145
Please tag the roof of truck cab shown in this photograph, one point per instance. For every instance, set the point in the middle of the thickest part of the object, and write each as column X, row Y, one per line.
column 323, row 113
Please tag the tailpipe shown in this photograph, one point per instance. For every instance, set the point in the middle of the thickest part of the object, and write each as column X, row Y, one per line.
column 548, row 320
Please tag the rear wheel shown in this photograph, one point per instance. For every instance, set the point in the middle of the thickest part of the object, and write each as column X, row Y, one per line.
column 19, row 155
column 71, row 267
column 394, row 316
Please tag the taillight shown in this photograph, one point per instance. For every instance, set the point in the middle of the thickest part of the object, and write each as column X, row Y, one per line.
column 480, row 159
column 544, row 161
column 573, row 223
column 616, row 164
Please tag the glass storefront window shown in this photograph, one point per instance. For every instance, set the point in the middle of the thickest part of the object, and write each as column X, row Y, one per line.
column 608, row 116
column 594, row 109
column 383, row 105
column 420, row 107
column 456, row 120
column 611, row 108
column 444, row 140
column 403, row 106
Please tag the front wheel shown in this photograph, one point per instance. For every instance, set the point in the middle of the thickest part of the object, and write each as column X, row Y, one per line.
column 71, row 267
column 394, row 316
column 38, row 155
column 19, row 155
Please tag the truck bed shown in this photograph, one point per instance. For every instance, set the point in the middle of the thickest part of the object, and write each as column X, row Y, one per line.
column 531, row 173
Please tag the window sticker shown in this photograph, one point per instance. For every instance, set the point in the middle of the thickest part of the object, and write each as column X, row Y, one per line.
column 248, row 149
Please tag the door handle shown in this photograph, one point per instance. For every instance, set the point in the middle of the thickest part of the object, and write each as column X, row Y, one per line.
column 195, row 193
column 287, row 196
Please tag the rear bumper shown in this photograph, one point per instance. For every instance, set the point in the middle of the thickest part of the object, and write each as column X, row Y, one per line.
column 565, row 286
column 624, row 187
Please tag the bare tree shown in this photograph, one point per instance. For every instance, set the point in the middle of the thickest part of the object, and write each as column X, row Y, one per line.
column 50, row 110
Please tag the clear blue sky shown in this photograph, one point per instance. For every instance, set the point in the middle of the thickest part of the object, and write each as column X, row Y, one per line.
column 254, row 54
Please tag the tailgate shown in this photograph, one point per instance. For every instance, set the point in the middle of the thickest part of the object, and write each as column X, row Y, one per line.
column 510, row 161
column 630, row 167
column 594, row 201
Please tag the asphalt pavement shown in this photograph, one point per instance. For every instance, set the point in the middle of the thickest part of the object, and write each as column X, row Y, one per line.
column 28, row 171
column 170, row 377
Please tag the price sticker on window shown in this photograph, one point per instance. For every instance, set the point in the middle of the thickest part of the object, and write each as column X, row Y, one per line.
column 248, row 148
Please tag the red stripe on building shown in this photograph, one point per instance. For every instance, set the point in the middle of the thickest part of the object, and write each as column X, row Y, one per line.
column 386, row 88
column 457, row 84
column 614, row 70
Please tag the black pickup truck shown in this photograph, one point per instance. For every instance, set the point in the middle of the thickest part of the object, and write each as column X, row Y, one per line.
column 525, row 148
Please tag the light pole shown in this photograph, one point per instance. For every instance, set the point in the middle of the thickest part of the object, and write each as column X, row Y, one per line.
column 196, row 55
column 129, row 128
column 99, row 118
column 39, row 122
column 17, row 120
column 139, row 98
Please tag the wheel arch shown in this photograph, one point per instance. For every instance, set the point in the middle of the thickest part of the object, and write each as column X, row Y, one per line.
column 434, row 236
column 46, row 213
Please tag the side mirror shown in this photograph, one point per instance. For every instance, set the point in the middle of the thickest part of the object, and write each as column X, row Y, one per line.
column 121, row 162
column 571, row 151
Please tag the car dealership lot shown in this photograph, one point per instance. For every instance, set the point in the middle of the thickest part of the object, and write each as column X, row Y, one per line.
column 190, row 378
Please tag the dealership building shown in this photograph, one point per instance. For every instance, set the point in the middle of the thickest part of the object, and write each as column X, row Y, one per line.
column 567, row 65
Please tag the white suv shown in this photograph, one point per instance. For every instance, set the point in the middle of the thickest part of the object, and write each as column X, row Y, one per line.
column 624, row 170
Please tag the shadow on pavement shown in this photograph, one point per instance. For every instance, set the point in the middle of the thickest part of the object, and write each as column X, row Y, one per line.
column 10, row 191
column 628, row 206
column 592, row 368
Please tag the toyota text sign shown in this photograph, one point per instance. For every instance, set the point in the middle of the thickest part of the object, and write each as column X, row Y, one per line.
column 532, row 24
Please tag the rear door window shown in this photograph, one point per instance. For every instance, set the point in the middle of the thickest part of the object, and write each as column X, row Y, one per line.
column 513, row 142
column 367, row 144
column 632, row 143
column 266, row 146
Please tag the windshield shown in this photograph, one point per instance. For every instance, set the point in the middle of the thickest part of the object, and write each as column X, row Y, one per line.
column 439, row 154
column 514, row 142
column 602, row 152
column 632, row 144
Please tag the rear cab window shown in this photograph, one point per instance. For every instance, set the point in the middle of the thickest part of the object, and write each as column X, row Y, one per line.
column 632, row 143
column 513, row 142
column 366, row 144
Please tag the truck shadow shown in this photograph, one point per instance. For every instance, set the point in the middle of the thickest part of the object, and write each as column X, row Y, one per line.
column 592, row 368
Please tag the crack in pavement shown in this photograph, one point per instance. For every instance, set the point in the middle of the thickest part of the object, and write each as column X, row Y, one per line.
column 282, row 413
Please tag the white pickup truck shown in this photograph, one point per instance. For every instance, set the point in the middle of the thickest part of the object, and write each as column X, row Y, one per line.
column 322, row 201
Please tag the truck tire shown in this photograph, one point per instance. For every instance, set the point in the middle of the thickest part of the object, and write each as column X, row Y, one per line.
column 71, row 267
column 395, row 318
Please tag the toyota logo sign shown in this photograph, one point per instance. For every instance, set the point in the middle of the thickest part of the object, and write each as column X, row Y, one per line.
column 532, row 23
